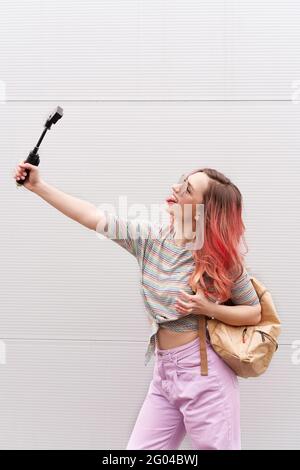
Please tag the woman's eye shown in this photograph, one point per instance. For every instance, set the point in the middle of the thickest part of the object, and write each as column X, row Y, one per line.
column 188, row 190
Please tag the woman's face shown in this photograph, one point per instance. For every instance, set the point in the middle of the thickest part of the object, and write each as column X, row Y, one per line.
column 187, row 192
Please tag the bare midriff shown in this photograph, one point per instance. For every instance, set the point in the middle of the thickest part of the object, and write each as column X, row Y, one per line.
column 171, row 339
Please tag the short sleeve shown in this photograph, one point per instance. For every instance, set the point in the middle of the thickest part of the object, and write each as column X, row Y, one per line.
column 243, row 292
column 131, row 234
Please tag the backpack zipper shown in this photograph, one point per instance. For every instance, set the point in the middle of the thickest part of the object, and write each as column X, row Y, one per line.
column 263, row 334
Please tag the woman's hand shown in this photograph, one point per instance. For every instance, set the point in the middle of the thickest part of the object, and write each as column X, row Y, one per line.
column 197, row 303
column 34, row 177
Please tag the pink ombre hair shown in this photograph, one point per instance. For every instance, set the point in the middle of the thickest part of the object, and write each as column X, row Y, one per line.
column 219, row 262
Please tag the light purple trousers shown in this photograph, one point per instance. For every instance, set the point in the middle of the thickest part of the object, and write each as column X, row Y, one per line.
column 181, row 401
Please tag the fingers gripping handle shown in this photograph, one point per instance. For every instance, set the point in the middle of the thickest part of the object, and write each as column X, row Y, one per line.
column 32, row 158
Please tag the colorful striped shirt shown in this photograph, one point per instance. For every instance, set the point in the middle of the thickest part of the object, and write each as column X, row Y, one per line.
column 164, row 270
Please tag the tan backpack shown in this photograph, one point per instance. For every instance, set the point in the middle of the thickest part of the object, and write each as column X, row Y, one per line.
column 248, row 350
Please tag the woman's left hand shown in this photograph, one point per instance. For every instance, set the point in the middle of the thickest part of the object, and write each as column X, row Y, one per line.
column 196, row 303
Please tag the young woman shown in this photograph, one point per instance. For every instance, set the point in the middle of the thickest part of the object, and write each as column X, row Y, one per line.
column 179, row 282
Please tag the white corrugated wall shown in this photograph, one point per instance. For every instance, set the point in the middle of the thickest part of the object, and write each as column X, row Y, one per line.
column 150, row 89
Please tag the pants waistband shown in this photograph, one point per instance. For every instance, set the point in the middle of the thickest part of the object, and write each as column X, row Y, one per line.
column 184, row 347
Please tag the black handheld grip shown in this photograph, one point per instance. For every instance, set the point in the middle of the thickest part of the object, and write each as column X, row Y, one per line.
column 34, row 159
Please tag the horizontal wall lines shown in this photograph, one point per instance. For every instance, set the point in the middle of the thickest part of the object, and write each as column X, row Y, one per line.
column 150, row 100
column 8, row 338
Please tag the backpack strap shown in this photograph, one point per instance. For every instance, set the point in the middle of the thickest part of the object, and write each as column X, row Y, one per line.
column 203, row 350
column 263, row 292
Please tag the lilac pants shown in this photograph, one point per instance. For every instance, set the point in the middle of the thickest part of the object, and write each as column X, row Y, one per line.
column 180, row 400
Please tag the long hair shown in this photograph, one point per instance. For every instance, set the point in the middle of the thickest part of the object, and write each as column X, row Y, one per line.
column 219, row 262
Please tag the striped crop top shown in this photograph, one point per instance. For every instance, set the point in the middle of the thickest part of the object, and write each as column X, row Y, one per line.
column 164, row 270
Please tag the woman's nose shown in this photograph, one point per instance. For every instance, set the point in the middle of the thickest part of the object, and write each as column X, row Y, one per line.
column 176, row 187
